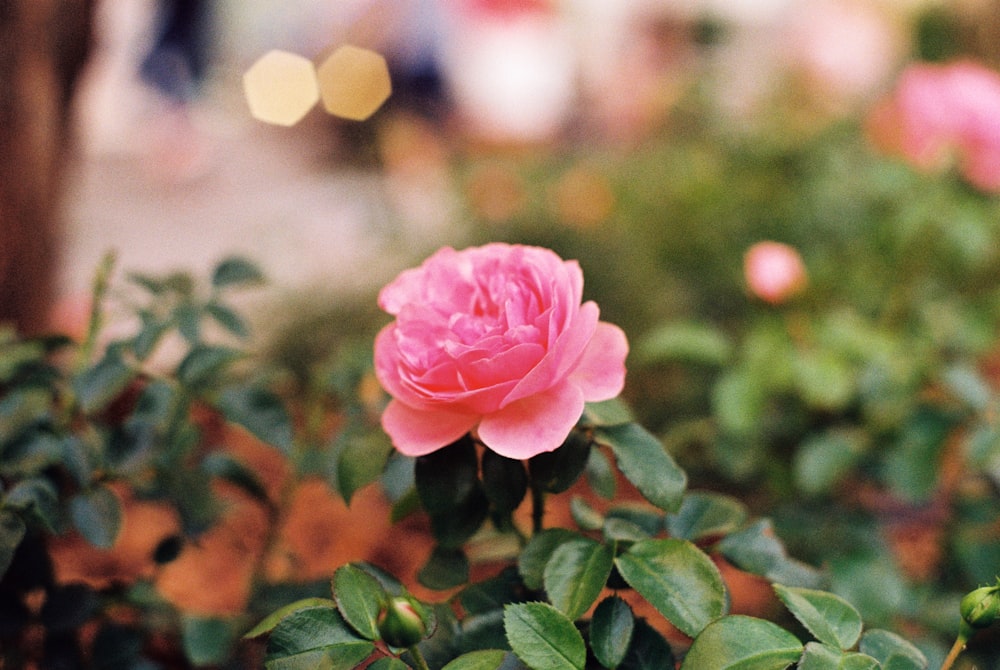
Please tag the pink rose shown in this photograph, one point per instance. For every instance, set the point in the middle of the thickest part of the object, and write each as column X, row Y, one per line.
column 774, row 271
column 493, row 339
column 943, row 115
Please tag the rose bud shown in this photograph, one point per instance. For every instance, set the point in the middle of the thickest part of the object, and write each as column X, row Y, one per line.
column 774, row 271
column 981, row 608
column 400, row 623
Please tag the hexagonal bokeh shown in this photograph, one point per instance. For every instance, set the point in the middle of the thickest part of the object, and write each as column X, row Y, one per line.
column 281, row 88
column 354, row 82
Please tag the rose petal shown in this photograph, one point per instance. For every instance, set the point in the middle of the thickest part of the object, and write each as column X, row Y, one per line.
column 417, row 432
column 601, row 371
column 534, row 424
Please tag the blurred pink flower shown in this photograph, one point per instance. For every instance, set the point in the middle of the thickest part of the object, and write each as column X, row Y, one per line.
column 493, row 338
column 774, row 271
column 946, row 115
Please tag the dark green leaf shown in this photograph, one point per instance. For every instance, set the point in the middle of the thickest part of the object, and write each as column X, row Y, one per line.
column 270, row 621
column 485, row 659
column 912, row 466
column 543, row 637
column 822, row 657
column 611, row 631
column 207, row 640
column 388, row 663
column 228, row 319
column 12, row 530
column 446, row 568
column 204, row 362
column 20, row 410
column 575, row 575
column 624, row 531
column 585, row 516
column 155, row 404
column 824, row 459
column 704, row 514
column 505, row 482
column 756, row 550
column 555, row 471
column 187, row 316
column 359, row 598
column 226, row 467
column 892, row 651
column 600, row 475
column 149, row 335
column 315, row 633
column 648, row 650
column 743, row 643
column 492, row 594
column 36, row 498
column 830, row 618
column 235, row 271
column 644, row 461
column 537, row 552
column 678, row 579
column 97, row 386
column 448, row 477
column 97, row 514
column 261, row 412
column 361, row 459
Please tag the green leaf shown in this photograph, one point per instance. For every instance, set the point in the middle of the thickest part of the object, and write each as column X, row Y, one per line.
column 544, row 638
column 37, row 498
column 830, row 618
column 360, row 599
column 575, row 575
column 644, row 462
column 206, row 640
column 312, row 634
column 600, row 474
column 187, row 316
column 485, row 659
column 12, row 530
column 606, row 413
column 892, row 651
column 585, row 516
column 388, row 663
column 611, row 631
column 743, row 643
column 911, row 467
column 648, row 650
column 824, row 380
column 204, row 362
column 492, row 594
column 97, row 386
column 555, row 471
column 678, row 579
column 97, row 514
column 534, row 556
column 738, row 402
column 261, row 412
column 685, row 341
column 505, row 482
column 448, row 477
column 228, row 319
column 822, row 657
column 226, row 467
column 755, row 549
column 704, row 514
column 236, row 271
column 824, row 459
column 446, row 568
column 268, row 623
column 361, row 459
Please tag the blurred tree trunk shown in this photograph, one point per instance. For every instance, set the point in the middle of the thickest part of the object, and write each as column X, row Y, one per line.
column 43, row 47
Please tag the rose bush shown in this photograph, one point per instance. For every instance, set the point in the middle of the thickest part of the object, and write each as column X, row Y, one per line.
column 494, row 339
column 941, row 115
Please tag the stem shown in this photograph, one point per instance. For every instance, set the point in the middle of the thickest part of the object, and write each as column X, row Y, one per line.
column 418, row 658
column 956, row 649
column 537, row 509
column 99, row 291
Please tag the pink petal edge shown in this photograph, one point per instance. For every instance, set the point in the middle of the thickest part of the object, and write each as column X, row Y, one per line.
column 415, row 432
column 601, row 371
column 534, row 424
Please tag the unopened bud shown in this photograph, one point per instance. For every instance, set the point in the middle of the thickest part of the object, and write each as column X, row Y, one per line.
column 400, row 623
column 981, row 608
